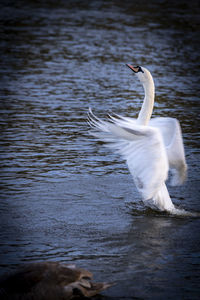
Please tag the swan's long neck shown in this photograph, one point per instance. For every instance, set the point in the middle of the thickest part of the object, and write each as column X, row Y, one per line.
column 147, row 106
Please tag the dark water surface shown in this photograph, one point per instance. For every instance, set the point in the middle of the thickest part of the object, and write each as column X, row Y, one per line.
column 64, row 196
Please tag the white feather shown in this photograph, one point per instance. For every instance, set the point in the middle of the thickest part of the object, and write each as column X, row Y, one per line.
column 172, row 136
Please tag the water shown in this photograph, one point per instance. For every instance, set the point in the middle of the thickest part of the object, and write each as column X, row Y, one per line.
column 65, row 197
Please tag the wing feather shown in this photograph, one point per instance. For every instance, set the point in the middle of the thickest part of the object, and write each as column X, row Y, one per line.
column 172, row 137
column 142, row 147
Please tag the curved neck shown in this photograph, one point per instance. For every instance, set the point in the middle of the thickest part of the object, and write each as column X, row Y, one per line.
column 147, row 106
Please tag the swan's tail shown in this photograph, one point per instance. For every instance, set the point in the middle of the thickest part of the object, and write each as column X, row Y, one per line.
column 161, row 200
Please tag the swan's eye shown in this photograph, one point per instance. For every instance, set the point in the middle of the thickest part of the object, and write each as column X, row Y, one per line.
column 140, row 69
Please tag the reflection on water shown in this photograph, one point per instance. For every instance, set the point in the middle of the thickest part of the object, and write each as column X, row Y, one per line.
column 64, row 196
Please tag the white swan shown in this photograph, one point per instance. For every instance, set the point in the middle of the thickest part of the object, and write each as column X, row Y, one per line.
column 150, row 147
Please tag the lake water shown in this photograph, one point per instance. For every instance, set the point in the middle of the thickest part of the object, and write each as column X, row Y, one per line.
column 65, row 197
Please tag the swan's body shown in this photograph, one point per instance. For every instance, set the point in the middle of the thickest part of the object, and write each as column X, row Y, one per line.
column 150, row 147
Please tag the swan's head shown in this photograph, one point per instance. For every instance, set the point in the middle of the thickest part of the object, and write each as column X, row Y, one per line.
column 142, row 73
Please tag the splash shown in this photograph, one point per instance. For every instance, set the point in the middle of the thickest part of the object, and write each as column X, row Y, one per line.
column 139, row 208
column 183, row 213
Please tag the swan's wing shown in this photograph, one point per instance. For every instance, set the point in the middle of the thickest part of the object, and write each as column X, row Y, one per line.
column 172, row 137
column 141, row 146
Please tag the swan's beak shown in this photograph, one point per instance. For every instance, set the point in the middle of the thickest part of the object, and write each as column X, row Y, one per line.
column 135, row 70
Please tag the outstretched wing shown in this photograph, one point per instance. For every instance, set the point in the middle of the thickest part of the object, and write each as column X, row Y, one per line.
column 172, row 137
column 141, row 146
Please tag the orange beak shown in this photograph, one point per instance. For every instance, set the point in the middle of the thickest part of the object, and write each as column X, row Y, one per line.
column 133, row 68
